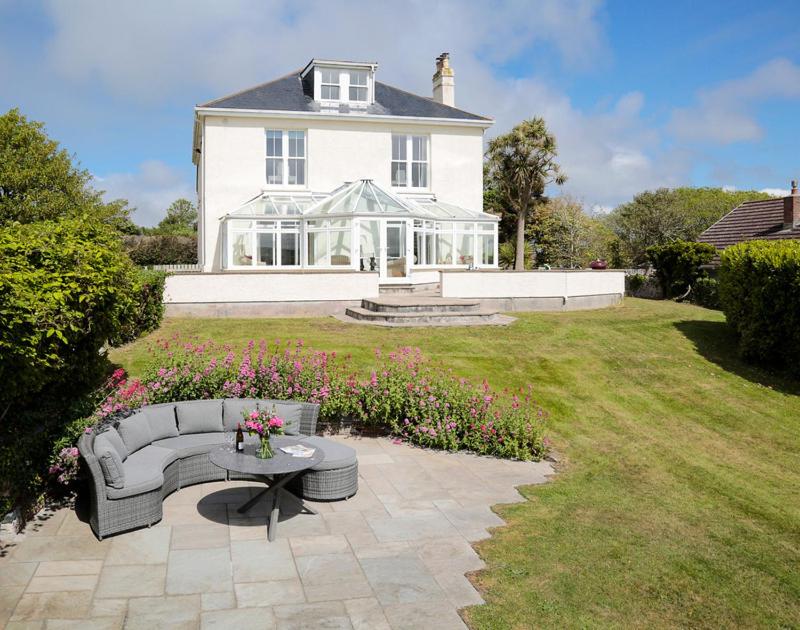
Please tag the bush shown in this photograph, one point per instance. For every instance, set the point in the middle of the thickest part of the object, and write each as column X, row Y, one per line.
column 419, row 401
column 507, row 253
column 759, row 290
column 147, row 311
column 677, row 264
column 162, row 250
column 705, row 292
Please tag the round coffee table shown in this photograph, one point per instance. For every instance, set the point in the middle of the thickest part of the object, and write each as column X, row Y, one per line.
column 275, row 472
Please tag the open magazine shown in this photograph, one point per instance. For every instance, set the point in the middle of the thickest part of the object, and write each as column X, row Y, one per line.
column 298, row 450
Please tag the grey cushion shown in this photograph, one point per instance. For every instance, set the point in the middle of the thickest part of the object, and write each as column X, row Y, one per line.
column 116, row 441
column 199, row 416
column 192, row 444
column 289, row 412
column 144, row 471
column 135, row 432
column 110, row 461
column 162, row 421
column 336, row 455
column 232, row 409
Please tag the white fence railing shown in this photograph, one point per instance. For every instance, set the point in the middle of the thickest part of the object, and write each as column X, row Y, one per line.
column 175, row 268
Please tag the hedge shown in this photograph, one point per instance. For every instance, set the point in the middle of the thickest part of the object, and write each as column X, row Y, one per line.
column 677, row 264
column 162, row 249
column 146, row 313
column 759, row 289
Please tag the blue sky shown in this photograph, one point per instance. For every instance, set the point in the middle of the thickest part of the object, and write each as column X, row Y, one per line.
column 639, row 94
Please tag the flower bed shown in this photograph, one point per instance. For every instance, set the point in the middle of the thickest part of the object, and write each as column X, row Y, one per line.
column 419, row 401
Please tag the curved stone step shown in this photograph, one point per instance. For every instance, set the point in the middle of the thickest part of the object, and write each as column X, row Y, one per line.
column 418, row 304
column 470, row 318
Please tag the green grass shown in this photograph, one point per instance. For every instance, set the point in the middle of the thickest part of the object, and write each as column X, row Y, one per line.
column 678, row 502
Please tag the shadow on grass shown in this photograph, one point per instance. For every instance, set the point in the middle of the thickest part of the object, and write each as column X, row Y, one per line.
column 716, row 342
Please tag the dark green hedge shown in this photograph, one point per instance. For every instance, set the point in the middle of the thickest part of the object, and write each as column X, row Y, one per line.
column 145, row 314
column 759, row 289
column 162, row 249
column 677, row 264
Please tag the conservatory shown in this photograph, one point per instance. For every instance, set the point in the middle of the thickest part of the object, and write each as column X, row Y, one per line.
column 358, row 226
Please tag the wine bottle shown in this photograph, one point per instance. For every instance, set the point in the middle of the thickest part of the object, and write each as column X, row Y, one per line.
column 239, row 438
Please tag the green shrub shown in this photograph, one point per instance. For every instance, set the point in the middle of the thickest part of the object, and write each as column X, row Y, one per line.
column 677, row 264
column 507, row 253
column 759, row 290
column 635, row 282
column 146, row 313
column 705, row 292
column 162, row 249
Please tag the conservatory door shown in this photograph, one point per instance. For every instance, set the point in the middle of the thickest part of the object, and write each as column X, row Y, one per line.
column 395, row 267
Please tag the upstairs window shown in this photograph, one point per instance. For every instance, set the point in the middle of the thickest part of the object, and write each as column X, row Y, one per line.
column 358, row 86
column 409, row 161
column 286, row 157
column 330, row 85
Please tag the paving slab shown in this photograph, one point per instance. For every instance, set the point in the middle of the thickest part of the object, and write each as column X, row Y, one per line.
column 131, row 581
column 256, row 594
column 250, row 618
column 199, row 571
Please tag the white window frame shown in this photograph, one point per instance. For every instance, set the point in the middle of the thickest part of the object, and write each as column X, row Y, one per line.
column 410, row 161
column 324, row 227
column 330, row 84
column 358, row 86
column 286, row 159
column 277, row 231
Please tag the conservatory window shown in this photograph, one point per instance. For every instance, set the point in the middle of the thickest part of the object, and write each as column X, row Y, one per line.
column 444, row 244
column 330, row 243
column 486, row 248
column 329, row 85
column 264, row 243
column 409, row 161
column 286, row 158
column 358, row 85
column 424, row 243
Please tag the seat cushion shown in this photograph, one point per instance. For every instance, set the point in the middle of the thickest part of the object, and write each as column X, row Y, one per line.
column 232, row 409
column 135, row 432
column 193, row 443
column 199, row 416
column 114, row 437
column 336, row 455
column 144, row 471
column 162, row 421
column 289, row 412
column 110, row 461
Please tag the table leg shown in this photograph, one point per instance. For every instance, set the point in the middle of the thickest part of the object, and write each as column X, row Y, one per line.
column 273, row 516
column 303, row 505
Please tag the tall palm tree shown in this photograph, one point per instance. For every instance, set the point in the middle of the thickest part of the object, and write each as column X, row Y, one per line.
column 521, row 164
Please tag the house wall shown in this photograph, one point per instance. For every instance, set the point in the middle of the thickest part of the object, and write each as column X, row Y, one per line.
column 234, row 168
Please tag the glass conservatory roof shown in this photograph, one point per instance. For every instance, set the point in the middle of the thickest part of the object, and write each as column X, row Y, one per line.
column 362, row 197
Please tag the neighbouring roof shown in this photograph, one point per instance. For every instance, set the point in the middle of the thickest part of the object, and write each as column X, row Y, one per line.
column 750, row 221
column 362, row 197
column 291, row 94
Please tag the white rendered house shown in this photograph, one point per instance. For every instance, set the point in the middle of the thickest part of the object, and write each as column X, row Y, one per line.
column 328, row 169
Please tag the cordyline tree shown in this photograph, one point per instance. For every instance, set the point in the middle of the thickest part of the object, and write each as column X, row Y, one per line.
column 520, row 165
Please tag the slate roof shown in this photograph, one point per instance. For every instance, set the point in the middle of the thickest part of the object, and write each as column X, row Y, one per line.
column 291, row 94
column 751, row 220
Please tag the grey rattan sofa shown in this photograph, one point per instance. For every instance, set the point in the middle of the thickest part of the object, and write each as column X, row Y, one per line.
column 136, row 462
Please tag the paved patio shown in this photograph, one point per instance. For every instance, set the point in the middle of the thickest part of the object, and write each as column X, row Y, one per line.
column 393, row 556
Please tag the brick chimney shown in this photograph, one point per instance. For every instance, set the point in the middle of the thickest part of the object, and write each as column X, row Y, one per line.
column 444, row 84
column 791, row 208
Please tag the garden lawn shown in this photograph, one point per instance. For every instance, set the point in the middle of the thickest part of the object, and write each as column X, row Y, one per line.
column 679, row 498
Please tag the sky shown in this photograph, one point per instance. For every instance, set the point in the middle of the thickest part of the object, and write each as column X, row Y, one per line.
column 638, row 94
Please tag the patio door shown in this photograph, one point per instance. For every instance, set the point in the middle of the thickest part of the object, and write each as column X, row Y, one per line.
column 383, row 247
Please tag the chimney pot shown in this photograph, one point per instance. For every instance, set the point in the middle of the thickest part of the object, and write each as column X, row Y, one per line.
column 794, row 186
column 444, row 88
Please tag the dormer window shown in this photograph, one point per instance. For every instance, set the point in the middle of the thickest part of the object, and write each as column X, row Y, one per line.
column 329, row 86
column 333, row 84
column 358, row 86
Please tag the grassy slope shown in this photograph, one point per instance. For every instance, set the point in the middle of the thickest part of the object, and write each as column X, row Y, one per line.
column 679, row 502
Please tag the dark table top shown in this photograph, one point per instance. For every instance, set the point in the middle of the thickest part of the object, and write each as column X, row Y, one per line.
column 281, row 463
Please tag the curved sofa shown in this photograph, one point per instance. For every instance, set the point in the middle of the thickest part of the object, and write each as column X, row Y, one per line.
column 136, row 462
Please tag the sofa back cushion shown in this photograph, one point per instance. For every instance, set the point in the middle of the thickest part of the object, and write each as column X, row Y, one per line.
column 199, row 416
column 110, row 461
column 135, row 432
column 162, row 421
column 113, row 436
column 289, row 412
column 232, row 409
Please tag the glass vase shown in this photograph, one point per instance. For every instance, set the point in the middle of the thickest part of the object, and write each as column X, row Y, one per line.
column 264, row 451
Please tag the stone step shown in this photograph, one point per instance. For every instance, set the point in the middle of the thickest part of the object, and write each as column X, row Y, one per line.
column 419, row 304
column 430, row 289
column 427, row 318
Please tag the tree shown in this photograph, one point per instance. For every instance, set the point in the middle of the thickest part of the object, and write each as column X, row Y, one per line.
column 39, row 182
column 181, row 219
column 521, row 164
column 662, row 216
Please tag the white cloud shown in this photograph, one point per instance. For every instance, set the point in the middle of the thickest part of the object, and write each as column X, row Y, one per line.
column 725, row 113
column 776, row 192
column 150, row 189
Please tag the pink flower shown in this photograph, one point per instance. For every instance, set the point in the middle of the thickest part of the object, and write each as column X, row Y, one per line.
column 254, row 415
